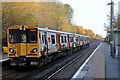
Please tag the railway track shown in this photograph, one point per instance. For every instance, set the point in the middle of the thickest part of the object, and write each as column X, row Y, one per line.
column 51, row 69
column 52, row 75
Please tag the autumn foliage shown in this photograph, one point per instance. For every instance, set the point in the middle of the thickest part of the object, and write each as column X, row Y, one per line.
column 117, row 22
column 53, row 15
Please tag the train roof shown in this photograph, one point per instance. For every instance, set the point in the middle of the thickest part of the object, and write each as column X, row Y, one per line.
column 49, row 30
column 55, row 31
column 45, row 29
column 87, row 36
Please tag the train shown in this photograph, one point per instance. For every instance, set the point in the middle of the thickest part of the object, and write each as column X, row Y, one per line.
column 29, row 45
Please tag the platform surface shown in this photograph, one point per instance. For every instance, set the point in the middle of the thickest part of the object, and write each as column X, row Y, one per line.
column 101, row 65
column 3, row 57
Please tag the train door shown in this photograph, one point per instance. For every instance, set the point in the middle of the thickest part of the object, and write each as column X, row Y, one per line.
column 58, row 42
column 71, row 40
column 78, row 40
column 43, row 43
column 68, row 42
column 81, row 41
column 46, row 43
column 23, row 40
column 52, row 44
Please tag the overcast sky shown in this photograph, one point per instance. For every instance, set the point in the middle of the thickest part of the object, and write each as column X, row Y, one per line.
column 91, row 14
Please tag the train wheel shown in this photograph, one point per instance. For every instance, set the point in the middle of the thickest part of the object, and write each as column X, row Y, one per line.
column 50, row 59
column 38, row 63
column 71, row 50
column 42, row 61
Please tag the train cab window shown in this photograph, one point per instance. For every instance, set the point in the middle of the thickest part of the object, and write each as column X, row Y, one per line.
column 62, row 41
column 23, row 38
column 32, row 36
column 65, row 39
column 13, row 36
column 53, row 39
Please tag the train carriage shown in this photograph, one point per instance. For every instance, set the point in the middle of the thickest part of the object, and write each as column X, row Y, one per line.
column 48, row 41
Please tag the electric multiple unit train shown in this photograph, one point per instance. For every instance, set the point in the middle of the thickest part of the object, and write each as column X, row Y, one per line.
column 28, row 45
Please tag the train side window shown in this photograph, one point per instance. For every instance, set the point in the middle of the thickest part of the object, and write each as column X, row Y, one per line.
column 43, row 38
column 80, row 38
column 65, row 39
column 72, row 39
column 62, row 39
column 76, row 39
column 53, row 39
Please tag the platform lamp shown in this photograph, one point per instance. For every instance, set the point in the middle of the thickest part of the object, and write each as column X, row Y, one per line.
column 111, row 28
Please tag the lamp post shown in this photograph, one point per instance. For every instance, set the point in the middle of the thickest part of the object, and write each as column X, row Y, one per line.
column 111, row 28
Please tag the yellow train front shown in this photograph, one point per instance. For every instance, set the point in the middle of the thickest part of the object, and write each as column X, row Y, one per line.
column 23, row 45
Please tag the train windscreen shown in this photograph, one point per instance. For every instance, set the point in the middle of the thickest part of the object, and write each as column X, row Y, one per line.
column 32, row 37
column 13, row 36
column 23, row 36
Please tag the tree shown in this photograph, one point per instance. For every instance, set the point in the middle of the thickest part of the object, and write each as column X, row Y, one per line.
column 56, row 15
column 51, row 15
column 98, row 37
column 90, row 33
column 80, row 30
column 117, row 22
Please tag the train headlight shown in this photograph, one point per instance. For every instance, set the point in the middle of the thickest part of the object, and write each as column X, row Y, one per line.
column 33, row 50
column 12, row 50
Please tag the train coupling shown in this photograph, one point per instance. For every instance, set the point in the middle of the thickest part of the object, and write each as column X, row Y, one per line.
column 34, row 63
column 18, row 62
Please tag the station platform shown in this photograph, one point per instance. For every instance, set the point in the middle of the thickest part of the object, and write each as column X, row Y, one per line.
column 100, row 65
column 3, row 57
